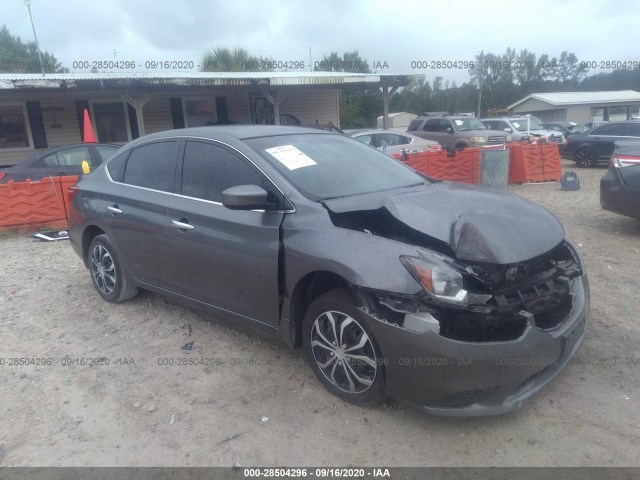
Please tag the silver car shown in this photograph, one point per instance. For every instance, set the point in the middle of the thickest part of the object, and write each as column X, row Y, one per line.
column 520, row 127
column 393, row 142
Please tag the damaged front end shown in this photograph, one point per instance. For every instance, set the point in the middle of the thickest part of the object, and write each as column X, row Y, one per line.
column 479, row 302
column 480, row 339
column 501, row 304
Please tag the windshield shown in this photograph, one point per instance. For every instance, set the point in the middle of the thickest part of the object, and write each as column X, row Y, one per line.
column 471, row 123
column 521, row 124
column 323, row 166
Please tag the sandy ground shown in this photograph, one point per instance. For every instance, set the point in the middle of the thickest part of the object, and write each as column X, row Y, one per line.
column 259, row 404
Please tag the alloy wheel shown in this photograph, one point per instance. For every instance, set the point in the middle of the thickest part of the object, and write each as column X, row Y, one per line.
column 343, row 352
column 585, row 158
column 103, row 269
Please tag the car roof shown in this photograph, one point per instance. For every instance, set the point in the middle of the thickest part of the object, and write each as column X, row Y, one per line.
column 450, row 117
column 231, row 132
column 371, row 132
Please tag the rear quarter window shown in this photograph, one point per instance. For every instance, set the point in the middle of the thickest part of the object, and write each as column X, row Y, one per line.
column 414, row 125
column 115, row 166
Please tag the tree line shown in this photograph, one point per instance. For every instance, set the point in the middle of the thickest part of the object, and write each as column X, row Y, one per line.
column 502, row 78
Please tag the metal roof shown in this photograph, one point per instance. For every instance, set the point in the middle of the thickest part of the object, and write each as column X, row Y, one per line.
column 577, row 98
column 54, row 80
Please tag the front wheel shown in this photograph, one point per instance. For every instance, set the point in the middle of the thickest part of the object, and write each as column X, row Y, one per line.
column 585, row 158
column 107, row 275
column 341, row 349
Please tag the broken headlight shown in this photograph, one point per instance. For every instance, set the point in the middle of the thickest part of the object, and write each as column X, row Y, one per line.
column 436, row 277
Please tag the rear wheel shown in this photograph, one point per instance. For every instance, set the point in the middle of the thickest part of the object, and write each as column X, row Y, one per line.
column 585, row 157
column 107, row 275
column 341, row 349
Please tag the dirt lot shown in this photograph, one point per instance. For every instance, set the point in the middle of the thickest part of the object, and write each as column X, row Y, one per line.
column 259, row 404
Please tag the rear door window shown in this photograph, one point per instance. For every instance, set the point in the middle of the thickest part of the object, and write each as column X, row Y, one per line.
column 105, row 151
column 74, row 157
column 152, row 166
column 631, row 130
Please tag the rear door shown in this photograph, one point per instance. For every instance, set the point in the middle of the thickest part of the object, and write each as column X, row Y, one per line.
column 603, row 138
column 434, row 131
column 222, row 257
column 136, row 208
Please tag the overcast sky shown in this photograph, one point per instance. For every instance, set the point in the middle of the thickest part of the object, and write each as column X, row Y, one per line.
column 397, row 32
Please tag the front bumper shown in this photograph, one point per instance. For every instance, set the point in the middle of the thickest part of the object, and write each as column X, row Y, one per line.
column 449, row 377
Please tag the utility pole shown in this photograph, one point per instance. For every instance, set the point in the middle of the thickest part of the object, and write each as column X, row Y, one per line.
column 480, row 82
column 28, row 5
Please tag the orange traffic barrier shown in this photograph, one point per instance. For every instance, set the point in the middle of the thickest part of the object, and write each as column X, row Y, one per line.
column 534, row 162
column 28, row 204
column 464, row 167
column 551, row 162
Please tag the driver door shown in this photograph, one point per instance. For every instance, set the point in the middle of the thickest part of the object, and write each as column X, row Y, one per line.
column 222, row 257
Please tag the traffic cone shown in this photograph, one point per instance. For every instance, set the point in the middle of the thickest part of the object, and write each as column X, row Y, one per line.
column 89, row 136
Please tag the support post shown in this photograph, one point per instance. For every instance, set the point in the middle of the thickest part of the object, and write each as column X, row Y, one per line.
column 138, row 103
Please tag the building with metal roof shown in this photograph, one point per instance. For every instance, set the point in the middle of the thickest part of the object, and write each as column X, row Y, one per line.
column 580, row 107
column 42, row 111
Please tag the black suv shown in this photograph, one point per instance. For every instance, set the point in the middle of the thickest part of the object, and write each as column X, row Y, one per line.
column 595, row 146
column 458, row 131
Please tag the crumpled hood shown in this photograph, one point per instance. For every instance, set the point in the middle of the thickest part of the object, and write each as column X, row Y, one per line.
column 478, row 224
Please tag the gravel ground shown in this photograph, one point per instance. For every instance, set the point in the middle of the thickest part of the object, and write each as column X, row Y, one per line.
column 259, row 404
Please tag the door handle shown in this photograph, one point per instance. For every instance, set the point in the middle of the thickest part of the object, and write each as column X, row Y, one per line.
column 182, row 225
column 114, row 209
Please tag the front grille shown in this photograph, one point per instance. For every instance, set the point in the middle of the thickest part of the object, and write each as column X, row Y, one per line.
column 497, row 139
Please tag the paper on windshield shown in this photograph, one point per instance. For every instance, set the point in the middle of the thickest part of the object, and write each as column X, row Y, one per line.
column 459, row 122
column 290, row 157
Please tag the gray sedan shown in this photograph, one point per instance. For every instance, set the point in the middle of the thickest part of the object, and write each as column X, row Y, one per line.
column 453, row 299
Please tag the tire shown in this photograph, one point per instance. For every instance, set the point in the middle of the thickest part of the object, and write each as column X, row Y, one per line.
column 355, row 373
column 585, row 158
column 107, row 274
column 460, row 147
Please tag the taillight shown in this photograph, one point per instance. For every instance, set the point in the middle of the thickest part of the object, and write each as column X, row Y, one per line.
column 619, row 161
column 2, row 175
column 71, row 192
column 614, row 162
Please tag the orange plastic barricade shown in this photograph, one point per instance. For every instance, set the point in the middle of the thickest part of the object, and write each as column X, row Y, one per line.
column 28, row 204
column 551, row 162
column 534, row 163
column 464, row 167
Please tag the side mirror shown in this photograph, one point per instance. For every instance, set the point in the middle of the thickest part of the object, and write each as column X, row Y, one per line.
column 508, row 130
column 449, row 130
column 244, row 197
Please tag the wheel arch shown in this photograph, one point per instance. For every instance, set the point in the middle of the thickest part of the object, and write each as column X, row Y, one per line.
column 89, row 233
column 308, row 288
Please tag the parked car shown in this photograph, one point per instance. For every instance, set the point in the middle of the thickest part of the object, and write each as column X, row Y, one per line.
column 620, row 186
column 65, row 160
column 393, row 283
column 596, row 145
column 567, row 128
column 395, row 142
column 458, row 131
column 522, row 127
